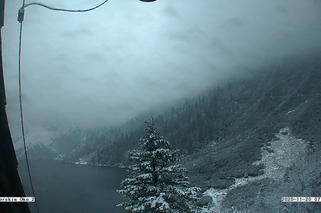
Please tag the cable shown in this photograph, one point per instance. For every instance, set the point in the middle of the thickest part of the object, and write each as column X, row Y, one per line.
column 21, row 116
column 20, row 19
column 64, row 10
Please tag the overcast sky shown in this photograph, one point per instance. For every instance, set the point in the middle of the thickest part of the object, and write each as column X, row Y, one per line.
column 108, row 65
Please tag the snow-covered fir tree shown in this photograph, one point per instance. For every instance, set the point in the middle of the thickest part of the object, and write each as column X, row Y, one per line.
column 157, row 183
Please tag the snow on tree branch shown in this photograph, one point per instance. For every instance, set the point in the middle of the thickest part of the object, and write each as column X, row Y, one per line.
column 157, row 183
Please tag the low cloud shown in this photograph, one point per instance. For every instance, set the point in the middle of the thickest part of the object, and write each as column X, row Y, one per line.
column 107, row 66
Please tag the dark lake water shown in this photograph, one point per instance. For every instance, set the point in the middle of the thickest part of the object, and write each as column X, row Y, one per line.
column 70, row 188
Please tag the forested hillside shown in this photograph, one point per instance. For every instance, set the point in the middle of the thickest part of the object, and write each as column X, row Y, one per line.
column 237, row 119
column 250, row 135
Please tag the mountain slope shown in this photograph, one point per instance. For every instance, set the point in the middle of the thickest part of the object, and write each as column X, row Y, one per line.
column 221, row 133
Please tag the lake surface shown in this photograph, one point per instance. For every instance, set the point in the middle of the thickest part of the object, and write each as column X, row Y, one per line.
column 70, row 188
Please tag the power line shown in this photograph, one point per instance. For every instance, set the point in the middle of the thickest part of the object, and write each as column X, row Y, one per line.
column 21, row 111
column 65, row 10
column 20, row 19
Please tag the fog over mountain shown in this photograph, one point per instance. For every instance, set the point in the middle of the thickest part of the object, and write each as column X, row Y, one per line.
column 106, row 66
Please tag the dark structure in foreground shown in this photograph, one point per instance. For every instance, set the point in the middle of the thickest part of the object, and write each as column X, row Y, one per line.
column 10, row 183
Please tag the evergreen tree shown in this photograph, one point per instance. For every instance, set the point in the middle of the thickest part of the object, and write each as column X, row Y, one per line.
column 157, row 183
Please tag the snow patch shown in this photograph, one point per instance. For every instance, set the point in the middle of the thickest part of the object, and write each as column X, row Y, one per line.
column 276, row 158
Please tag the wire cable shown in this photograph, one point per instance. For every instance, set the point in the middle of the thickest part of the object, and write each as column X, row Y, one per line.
column 20, row 19
column 65, row 10
column 21, row 116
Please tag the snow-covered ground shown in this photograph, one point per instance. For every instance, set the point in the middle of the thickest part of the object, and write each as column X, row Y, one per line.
column 280, row 155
